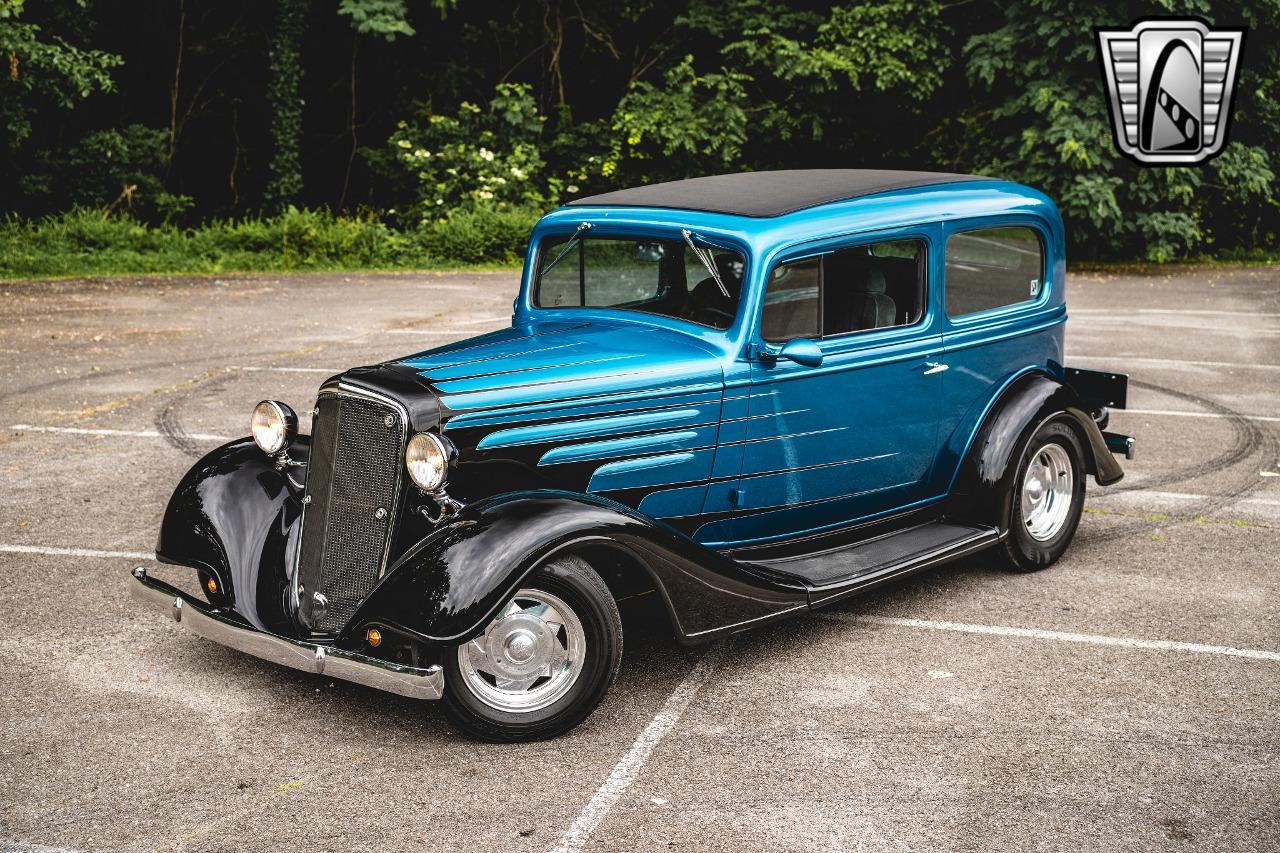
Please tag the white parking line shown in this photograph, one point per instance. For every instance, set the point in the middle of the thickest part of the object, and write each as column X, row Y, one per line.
column 442, row 286
column 1178, row 496
column 267, row 367
column 1060, row 636
column 1107, row 324
column 1184, row 414
column 1172, row 362
column 75, row 552
column 438, row 332
column 133, row 433
column 1188, row 312
column 628, row 769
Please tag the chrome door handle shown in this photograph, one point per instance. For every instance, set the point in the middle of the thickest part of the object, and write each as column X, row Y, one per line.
column 936, row 367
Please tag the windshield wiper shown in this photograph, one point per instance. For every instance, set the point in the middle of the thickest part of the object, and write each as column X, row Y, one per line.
column 708, row 261
column 568, row 247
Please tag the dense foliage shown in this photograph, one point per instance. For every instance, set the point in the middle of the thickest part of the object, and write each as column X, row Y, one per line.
column 432, row 130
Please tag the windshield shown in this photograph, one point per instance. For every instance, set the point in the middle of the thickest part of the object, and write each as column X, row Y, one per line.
column 665, row 277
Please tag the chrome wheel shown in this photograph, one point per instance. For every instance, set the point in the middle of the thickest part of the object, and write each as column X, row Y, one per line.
column 528, row 657
column 1047, row 490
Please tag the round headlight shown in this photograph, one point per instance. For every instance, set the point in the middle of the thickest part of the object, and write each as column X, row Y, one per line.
column 427, row 458
column 273, row 425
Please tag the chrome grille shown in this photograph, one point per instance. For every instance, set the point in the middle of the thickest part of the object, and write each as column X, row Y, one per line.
column 357, row 448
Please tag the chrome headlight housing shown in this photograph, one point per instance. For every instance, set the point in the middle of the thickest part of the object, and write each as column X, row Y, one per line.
column 427, row 457
column 273, row 426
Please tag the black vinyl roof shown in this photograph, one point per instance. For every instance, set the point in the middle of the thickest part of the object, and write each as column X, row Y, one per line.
column 770, row 193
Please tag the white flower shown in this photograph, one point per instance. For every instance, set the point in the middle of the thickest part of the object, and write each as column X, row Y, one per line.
column 517, row 172
column 572, row 188
column 439, row 202
column 499, row 180
column 484, row 194
column 404, row 143
column 421, row 152
column 486, row 155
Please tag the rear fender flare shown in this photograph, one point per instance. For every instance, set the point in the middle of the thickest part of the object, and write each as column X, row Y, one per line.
column 984, row 485
column 448, row 586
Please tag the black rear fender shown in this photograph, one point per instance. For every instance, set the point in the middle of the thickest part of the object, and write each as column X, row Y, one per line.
column 984, row 485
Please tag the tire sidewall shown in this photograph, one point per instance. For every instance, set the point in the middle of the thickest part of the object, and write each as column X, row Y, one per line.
column 578, row 585
column 1025, row 552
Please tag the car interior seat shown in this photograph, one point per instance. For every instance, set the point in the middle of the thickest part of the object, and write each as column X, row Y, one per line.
column 870, row 305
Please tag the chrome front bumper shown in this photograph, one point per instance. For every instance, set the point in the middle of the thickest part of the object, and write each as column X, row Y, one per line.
column 414, row 682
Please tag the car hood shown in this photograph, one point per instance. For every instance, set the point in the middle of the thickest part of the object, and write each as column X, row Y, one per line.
column 552, row 364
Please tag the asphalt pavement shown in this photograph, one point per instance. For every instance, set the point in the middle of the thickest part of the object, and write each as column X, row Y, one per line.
column 1125, row 699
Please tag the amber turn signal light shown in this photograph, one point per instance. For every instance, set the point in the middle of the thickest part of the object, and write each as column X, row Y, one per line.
column 374, row 637
column 212, row 586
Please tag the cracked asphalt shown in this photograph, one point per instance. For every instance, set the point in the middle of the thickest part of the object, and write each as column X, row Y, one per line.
column 965, row 709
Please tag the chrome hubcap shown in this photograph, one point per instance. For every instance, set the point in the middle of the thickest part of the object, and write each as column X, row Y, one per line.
column 528, row 657
column 1047, row 490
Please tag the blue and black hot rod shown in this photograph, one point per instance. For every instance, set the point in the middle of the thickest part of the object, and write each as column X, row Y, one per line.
column 750, row 395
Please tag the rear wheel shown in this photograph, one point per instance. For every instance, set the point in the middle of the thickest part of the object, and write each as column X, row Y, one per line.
column 1047, row 500
column 543, row 663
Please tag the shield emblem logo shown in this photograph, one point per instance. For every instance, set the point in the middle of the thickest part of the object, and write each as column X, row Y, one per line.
column 1170, row 83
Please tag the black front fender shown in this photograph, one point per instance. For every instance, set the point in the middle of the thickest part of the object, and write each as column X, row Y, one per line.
column 984, row 485
column 448, row 586
column 234, row 517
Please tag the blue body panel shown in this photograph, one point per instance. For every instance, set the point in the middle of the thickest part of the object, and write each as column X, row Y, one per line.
column 680, row 420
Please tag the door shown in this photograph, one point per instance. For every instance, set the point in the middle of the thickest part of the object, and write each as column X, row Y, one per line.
column 1003, row 314
column 852, row 437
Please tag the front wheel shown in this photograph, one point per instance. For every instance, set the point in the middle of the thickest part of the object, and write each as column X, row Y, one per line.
column 543, row 663
column 1048, row 497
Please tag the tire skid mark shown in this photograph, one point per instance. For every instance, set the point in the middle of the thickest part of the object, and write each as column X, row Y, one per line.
column 1249, row 440
column 169, row 422
column 114, row 372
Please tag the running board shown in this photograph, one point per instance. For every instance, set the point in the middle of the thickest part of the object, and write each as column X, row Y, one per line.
column 842, row 571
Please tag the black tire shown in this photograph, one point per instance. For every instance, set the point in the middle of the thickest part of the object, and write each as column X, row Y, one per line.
column 575, row 583
column 1022, row 551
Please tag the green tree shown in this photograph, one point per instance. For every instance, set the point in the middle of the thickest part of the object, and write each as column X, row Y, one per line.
column 779, row 77
column 478, row 157
column 1045, row 122
column 284, row 95
column 39, row 72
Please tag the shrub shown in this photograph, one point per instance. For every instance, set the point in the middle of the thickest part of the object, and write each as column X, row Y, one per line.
column 479, row 235
column 84, row 242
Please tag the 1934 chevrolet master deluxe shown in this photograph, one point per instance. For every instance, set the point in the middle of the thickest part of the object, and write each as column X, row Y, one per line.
column 751, row 395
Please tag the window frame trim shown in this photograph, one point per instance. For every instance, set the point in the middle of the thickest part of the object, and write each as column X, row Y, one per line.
column 663, row 234
column 1031, row 303
column 912, row 232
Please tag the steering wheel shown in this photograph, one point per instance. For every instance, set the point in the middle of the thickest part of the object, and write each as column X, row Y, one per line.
column 728, row 316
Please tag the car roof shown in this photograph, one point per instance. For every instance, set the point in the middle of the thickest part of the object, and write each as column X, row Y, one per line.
column 770, row 193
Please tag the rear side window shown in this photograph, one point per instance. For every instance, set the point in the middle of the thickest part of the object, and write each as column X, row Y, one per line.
column 992, row 268
column 855, row 289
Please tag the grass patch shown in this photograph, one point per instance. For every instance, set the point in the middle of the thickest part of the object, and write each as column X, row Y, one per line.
column 1226, row 260
column 83, row 243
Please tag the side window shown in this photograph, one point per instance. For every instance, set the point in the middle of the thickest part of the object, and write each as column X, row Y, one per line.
column 791, row 302
column 856, row 289
column 992, row 268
